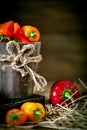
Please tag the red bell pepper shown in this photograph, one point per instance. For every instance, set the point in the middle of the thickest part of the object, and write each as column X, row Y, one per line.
column 16, row 28
column 31, row 32
column 21, row 38
column 7, row 28
column 63, row 92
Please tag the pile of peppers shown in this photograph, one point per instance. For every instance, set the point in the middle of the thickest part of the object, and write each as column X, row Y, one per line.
column 28, row 111
column 11, row 30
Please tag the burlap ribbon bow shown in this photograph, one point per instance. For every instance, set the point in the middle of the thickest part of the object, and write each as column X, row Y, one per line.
column 20, row 59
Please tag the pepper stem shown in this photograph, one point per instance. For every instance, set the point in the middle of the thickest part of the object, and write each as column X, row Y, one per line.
column 37, row 112
column 13, row 117
column 3, row 37
column 32, row 34
column 67, row 94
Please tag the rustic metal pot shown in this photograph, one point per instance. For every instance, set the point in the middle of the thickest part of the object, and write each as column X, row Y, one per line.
column 12, row 84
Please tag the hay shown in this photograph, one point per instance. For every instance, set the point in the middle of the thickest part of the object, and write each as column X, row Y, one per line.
column 66, row 117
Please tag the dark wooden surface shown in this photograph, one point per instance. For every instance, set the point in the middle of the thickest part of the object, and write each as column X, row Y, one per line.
column 35, row 128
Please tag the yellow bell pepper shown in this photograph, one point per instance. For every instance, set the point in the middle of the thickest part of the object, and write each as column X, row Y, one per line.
column 35, row 111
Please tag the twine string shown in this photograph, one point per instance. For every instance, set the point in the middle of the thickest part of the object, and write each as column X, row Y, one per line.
column 20, row 59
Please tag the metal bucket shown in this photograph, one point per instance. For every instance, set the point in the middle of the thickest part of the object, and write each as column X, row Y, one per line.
column 12, row 84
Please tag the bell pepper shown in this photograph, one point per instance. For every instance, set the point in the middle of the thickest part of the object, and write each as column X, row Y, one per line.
column 35, row 111
column 63, row 92
column 31, row 32
column 16, row 28
column 21, row 38
column 7, row 28
column 15, row 117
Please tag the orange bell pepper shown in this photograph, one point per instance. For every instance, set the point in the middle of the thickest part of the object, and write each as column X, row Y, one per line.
column 7, row 28
column 15, row 117
column 31, row 32
column 35, row 111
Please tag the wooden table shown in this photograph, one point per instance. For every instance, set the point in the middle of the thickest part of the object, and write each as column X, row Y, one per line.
column 35, row 128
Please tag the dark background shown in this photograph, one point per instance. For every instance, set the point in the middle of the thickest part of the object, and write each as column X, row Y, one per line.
column 63, row 28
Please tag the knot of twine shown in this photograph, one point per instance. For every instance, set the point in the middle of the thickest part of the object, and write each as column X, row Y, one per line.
column 20, row 59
